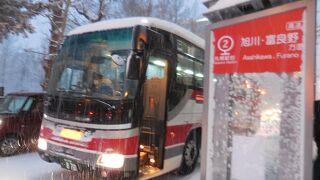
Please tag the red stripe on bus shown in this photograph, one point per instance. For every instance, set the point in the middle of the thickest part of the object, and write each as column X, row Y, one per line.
column 177, row 134
column 126, row 146
column 46, row 132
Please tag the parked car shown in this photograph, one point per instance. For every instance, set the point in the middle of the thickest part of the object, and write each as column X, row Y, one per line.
column 20, row 121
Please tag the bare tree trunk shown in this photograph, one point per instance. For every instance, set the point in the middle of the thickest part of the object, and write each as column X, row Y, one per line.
column 59, row 13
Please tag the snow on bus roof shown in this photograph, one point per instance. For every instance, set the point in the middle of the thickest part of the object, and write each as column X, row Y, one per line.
column 146, row 21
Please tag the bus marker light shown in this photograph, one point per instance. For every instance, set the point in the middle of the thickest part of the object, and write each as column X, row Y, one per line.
column 145, row 21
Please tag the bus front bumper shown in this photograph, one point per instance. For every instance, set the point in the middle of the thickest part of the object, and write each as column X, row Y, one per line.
column 83, row 160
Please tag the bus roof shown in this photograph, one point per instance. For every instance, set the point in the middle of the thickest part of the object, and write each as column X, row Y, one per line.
column 146, row 21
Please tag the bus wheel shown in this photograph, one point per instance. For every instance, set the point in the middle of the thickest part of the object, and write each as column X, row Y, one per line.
column 189, row 156
column 9, row 145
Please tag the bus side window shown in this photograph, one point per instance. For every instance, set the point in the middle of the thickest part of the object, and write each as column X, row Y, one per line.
column 187, row 70
column 155, row 69
column 198, row 80
column 198, row 68
column 183, row 80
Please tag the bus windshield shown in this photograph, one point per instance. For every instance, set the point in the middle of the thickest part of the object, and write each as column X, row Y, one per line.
column 94, row 64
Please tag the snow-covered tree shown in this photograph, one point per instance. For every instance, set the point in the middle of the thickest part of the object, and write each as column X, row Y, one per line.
column 130, row 8
column 92, row 10
column 5, row 49
column 59, row 14
column 20, row 70
column 15, row 16
column 177, row 11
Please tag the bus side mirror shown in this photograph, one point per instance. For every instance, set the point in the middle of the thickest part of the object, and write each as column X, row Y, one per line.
column 139, row 39
column 133, row 66
column 139, row 46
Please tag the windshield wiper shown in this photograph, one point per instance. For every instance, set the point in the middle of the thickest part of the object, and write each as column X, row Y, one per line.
column 85, row 95
column 105, row 103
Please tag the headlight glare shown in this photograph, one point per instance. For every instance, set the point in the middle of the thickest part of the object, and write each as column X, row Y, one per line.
column 112, row 160
column 42, row 144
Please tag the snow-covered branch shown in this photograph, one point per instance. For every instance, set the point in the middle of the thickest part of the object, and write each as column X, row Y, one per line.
column 83, row 10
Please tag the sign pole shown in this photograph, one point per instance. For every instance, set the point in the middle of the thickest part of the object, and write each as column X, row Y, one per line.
column 308, row 89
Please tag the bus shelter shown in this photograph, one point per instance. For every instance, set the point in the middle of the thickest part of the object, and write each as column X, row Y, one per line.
column 259, row 90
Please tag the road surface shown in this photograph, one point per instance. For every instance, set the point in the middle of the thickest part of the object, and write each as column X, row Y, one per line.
column 29, row 166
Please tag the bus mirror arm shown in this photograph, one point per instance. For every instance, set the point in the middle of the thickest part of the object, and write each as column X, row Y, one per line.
column 141, row 49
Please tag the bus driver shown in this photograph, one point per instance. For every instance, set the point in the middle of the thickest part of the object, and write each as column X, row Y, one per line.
column 103, row 85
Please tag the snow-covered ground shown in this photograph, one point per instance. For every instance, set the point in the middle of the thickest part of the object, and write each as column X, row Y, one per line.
column 29, row 166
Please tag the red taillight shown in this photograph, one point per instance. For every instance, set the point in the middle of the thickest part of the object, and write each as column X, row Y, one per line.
column 90, row 113
column 109, row 115
column 198, row 95
column 199, row 98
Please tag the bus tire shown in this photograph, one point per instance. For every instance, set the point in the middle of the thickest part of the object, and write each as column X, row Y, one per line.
column 190, row 155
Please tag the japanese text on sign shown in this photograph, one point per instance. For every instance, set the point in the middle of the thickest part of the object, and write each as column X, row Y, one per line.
column 269, row 44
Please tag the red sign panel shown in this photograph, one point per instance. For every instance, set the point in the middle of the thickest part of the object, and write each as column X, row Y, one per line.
column 269, row 44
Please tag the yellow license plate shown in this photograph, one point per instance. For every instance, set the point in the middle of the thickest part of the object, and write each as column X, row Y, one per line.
column 71, row 134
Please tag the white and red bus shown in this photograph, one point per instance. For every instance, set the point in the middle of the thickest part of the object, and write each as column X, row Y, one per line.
column 125, row 97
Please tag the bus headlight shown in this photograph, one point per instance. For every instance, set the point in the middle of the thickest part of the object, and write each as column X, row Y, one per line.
column 42, row 144
column 111, row 160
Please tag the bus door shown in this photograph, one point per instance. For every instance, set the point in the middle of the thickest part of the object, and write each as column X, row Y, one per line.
column 153, row 125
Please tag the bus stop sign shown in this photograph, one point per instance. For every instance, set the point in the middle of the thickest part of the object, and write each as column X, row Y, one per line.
column 269, row 44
